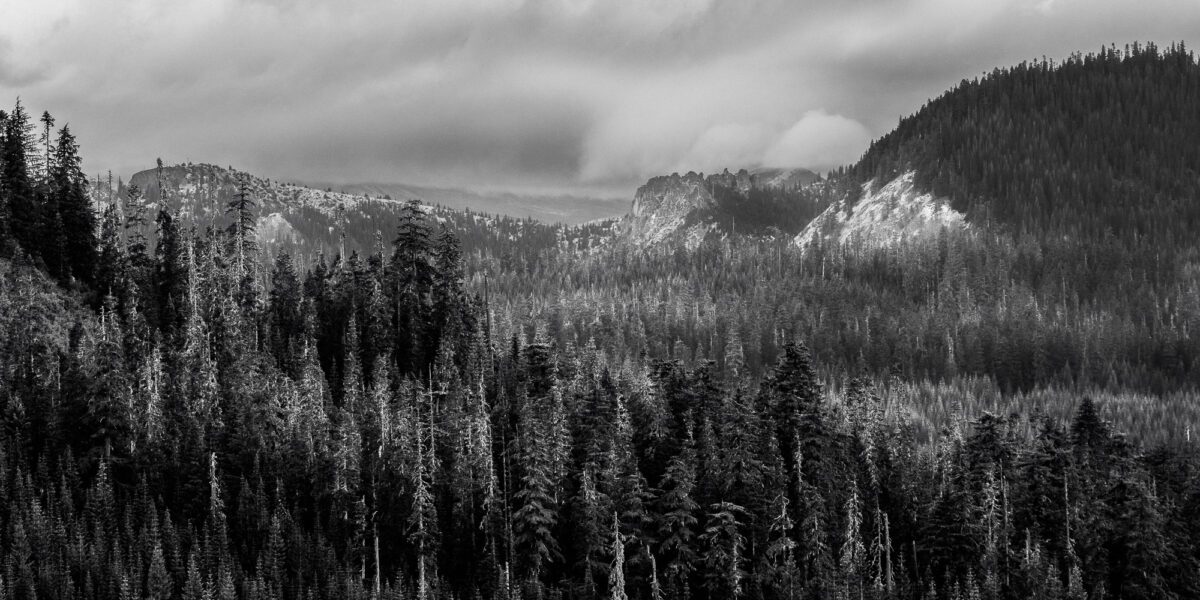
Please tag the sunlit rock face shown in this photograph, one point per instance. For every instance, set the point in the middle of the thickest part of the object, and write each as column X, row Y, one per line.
column 665, row 206
column 882, row 216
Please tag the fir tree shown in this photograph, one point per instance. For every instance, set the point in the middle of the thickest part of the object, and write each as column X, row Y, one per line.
column 724, row 548
column 616, row 575
column 678, row 508
column 68, row 186
column 22, row 212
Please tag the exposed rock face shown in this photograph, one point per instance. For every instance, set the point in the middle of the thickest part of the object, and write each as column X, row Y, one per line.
column 684, row 206
column 672, row 194
column 275, row 229
column 882, row 217
column 667, row 205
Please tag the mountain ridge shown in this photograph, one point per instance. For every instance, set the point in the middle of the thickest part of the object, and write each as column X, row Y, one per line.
column 693, row 207
column 306, row 222
column 568, row 209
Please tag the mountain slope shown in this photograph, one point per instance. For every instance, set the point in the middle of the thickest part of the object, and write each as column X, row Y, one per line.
column 1103, row 144
column 882, row 216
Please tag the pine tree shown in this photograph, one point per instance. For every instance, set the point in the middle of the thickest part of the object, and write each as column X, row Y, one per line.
column 851, row 559
column 215, row 529
column 724, row 546
column 241, row 229
column 21, row 210
column 412, row 275
column 134, row 228
column 1139, row 546
column 448, row 301
column 741, row 469
column 630, row 492
column 158, row 580
column 46, row 161
column 795, row 398
column 677, row 508
column 195, row 588
column 589, row 510
column 816, row 556
column 781, row 575
column 68, row 186
column 1088, row 430
column 537, row 514
column 52, row 238
column 286, row 319
column 111, row 266
column 170, row 274
column 616, row 575
column 423, row 523
column 50, row 235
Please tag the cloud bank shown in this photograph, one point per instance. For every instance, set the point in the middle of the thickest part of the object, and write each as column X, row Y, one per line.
column 570, row 95
column 819, row 140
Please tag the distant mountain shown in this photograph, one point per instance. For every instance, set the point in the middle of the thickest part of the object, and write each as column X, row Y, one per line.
column 306, row 222
column 559, row 208
column 690, row 208
column 670, row 206
column 298, row 217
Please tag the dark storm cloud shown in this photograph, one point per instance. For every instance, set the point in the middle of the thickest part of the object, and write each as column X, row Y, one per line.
column 539, row 94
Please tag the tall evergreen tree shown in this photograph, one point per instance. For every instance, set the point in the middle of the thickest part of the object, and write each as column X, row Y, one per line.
column 287, row 322
column 678, row 521
column 69, row 188
column 46, row 160
column 19, row 197
column 724, row 551
column 170, row 273
column 411, row 274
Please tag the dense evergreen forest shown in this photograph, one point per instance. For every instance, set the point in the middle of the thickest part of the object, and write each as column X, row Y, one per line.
column 186, row 414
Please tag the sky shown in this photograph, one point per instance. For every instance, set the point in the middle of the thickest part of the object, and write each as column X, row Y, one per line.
column 578, row 96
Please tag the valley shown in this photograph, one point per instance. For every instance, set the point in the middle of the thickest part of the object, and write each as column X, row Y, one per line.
column 965, row 366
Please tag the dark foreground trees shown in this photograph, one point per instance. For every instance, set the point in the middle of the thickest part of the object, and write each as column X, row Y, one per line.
column 292, row 448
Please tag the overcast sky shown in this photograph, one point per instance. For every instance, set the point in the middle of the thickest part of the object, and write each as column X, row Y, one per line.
column 591, row 96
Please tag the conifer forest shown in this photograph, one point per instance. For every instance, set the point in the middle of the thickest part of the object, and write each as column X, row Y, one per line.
column 437, row 403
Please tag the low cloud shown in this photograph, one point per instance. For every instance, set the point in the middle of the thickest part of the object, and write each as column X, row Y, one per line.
column 726, row 145
column 819, row 141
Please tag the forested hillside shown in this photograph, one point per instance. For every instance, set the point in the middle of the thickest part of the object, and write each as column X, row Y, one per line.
column 1097, row 146
column 466, row 409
